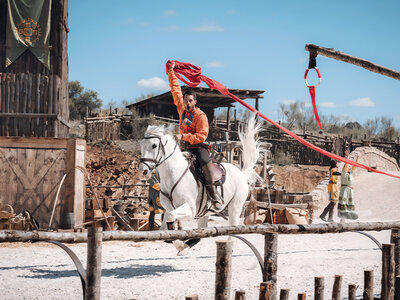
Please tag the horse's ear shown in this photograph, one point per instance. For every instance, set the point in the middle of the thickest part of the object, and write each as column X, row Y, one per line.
column 170, row 129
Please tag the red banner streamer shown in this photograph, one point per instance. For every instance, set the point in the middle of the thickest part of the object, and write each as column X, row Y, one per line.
column 193, row 74
column 311, row 88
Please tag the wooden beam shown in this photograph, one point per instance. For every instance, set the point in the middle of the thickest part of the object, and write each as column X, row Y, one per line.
column 331, row 53
column 76, row 237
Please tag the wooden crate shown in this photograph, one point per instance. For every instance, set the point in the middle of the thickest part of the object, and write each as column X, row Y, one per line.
column 31, row 170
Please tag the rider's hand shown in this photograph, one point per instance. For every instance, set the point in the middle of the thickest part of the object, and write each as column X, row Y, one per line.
column 178, row 137
column 172, row 66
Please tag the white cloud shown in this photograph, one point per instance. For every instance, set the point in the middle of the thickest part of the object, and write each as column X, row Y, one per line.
column 154, row 83
column 365, row 102
column 214, row 64
column 129, row 21
column 231, row 11
column 326, row 104
column 169, row 12
column 208, row 28
column 288, row 101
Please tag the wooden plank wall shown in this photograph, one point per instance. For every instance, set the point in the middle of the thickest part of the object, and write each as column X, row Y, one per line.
column 31, row 170
column 34, row 99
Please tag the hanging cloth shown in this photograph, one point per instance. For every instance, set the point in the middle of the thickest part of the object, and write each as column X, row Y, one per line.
column 194, row 77
column 28, row 27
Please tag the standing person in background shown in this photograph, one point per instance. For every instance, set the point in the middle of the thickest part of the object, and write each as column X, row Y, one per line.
column 193, row 131
column 346, row 209
column 155, row 206
column 333, row 192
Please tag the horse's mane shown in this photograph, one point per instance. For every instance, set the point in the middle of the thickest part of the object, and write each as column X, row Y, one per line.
column 159, row 130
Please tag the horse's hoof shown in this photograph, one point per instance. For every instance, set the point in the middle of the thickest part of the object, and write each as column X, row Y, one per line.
column 184, row 252
column 179, row 245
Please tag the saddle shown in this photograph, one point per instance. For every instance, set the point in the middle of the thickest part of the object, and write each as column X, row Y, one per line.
column 218, row 173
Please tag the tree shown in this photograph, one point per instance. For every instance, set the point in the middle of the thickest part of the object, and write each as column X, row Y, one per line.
column 80, row 98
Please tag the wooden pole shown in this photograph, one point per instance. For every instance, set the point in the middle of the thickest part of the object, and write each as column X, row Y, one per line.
column 368, row 293
column 192, row 297
column 331, row 53
column 93, row 269
column 395, row 239
column 352, row 291
column 301, row 296
column 266, row 291
column 140, row 236
column 240, row 295
column 337, row 286
column 387, row 289
column 284, row 294
column 319, row 288
column 223, row 271
column 397, row 288
column 271, row 261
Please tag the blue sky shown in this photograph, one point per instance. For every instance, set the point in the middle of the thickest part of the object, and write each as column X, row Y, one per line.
column 119, row 49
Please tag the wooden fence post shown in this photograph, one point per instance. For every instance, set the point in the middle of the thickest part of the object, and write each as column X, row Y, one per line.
column 397, row 288
column 337, row 286
column 319, row 288
column 395, row 239
column 93, row 269
column 240, row 295
column 301, row 296
column 284, row 294
column 352, row 291
column 223, row 270
column 271, row 261
column 266, row 291
column 368, row 293
column 387, row 289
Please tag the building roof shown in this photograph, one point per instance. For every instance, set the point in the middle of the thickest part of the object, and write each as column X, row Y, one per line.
column 206, row 97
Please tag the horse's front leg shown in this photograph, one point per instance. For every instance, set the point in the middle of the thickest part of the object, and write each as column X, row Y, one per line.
column 182, row 211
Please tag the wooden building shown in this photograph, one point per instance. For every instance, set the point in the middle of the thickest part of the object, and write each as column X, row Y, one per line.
column 207, row 100
column 34, row 97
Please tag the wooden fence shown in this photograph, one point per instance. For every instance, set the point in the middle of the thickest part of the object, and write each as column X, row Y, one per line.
column 268, row 288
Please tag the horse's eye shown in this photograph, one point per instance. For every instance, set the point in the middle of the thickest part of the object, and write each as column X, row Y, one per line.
column 154, row 146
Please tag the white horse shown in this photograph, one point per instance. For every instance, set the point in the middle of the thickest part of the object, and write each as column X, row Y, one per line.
column 160, row 150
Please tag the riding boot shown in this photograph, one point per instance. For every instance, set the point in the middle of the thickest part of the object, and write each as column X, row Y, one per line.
column 211, row 189
column 330, row 218
column 325, row 212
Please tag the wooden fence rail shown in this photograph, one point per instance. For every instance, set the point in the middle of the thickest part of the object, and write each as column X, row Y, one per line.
column 138, row 236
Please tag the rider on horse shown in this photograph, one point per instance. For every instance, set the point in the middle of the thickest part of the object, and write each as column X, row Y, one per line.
column 193, row 131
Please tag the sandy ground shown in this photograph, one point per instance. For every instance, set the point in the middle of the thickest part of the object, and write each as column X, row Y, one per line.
column 153, row 271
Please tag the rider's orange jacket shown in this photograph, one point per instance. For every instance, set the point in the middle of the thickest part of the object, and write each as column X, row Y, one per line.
column 193, row 126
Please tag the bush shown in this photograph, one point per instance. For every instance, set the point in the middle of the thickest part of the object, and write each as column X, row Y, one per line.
column 281, row 158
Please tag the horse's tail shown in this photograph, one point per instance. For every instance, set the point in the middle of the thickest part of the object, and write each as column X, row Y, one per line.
column 251, row 146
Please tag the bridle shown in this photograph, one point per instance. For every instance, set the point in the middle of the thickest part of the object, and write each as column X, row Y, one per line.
column 160, row 160
column 157, row 161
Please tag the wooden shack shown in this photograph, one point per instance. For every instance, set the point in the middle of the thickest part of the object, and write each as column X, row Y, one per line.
column 33, row 95
column 32, row 178
column 207, row 100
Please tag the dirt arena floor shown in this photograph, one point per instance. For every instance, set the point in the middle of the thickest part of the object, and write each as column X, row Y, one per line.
column 152, row 270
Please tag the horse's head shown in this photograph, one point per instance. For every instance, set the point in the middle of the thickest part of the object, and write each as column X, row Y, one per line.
column 153, row 147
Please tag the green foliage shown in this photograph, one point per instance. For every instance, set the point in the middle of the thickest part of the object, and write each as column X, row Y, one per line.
column 282, row 158
column 138, row 125
column 80, row 99
column 296, row 115
column 144, row 97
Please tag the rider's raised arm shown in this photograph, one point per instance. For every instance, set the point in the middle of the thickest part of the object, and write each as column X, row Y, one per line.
column 176, row 90
column 201, row 131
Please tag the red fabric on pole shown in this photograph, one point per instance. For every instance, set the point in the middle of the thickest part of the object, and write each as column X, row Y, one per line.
column 193, row 74
column 311, row 88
